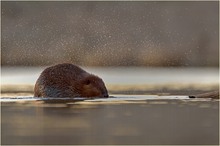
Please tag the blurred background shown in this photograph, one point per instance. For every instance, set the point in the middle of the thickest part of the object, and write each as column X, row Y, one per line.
column 110, row 33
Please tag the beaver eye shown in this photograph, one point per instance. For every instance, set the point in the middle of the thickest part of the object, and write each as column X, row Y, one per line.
column 88, row 82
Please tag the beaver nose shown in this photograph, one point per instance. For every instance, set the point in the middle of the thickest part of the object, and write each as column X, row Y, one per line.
column 105, row 95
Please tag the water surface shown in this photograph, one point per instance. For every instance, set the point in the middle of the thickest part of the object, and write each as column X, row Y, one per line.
column 110, row 121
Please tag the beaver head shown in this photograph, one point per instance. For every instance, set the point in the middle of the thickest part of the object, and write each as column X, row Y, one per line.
column 92, row 86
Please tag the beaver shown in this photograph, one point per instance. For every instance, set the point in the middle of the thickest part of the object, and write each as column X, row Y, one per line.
column 68, row 80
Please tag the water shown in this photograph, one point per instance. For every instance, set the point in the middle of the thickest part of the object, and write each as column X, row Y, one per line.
column 150, row 121
column 124, row 118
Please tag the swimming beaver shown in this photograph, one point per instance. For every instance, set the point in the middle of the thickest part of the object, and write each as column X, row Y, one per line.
column 68, row 80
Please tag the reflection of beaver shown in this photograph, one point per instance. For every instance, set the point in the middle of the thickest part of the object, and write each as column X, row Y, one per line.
column 68, row 80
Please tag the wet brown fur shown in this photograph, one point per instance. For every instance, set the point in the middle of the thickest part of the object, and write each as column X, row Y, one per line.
column 68, row 80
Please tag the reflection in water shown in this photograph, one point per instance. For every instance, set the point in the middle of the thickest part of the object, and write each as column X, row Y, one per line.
column 147, row 122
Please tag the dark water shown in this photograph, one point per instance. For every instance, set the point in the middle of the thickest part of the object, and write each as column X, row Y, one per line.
column 150, row 121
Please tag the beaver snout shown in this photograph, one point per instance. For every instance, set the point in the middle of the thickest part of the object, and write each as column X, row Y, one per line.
column 105, row 95
column 104, row 92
